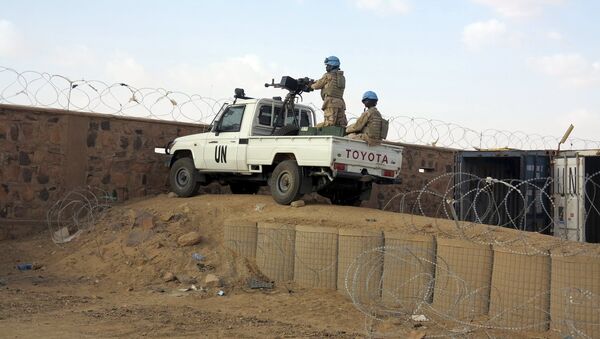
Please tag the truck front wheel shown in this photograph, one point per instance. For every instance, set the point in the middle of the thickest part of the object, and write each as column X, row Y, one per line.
column 183, row 177
column 285, row 182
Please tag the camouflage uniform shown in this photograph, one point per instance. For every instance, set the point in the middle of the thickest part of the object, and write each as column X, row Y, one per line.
column 332, row 86
column 367, row 127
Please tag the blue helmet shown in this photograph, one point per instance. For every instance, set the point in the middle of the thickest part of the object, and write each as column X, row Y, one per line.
column 332, row 61
column 369, row 95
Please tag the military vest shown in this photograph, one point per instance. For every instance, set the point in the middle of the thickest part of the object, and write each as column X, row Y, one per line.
column 335, row 87
column 375, row 125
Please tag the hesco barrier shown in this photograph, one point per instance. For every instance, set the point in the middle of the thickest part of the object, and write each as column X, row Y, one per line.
column 575, row 301
column 360, row 264
column 462, row 278
column 316, row 257
column 241, row 237
column 408, row 271
column 275, row 250
column 457, row 280
column 519, row 298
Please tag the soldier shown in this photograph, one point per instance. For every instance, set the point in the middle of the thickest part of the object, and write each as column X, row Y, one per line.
column 369, row 126
column 332, row 86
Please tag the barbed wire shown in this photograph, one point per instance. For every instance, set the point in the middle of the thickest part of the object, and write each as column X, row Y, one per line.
column 523, row 205
column 77, row 211
column 463, row 255
column 42, row 89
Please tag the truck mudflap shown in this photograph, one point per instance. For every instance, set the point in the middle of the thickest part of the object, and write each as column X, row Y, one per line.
column 168, row 159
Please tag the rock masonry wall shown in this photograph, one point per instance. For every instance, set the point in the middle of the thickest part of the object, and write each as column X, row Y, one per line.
column 45, row 153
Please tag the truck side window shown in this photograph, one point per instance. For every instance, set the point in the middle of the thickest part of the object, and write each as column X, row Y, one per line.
column 232, row 119
column 304, row 120
column 264, row 115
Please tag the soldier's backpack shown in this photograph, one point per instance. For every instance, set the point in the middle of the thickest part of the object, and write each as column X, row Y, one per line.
column 385, row 125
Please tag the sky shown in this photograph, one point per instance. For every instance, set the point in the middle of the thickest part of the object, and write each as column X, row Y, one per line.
column 526, row 65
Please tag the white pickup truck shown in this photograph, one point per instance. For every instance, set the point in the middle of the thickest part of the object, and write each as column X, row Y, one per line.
column 249, row 145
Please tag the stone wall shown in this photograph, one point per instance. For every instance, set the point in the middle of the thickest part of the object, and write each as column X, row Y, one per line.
column 45, row 153
column 436, row 164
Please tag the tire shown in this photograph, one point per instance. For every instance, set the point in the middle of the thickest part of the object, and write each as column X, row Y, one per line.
column 243, row 188
column 285, row 182
column 182, row 177
column 287, row 130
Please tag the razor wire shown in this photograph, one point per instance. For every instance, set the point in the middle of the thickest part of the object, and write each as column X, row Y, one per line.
column 456, row 201
column 77, row 211
column 406, row 282
column 40, row 89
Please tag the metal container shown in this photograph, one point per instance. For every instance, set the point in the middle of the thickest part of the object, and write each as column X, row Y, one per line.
column 519, row 199
column 576, row 195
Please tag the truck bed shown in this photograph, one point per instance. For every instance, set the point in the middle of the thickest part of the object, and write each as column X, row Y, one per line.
column 323, row 151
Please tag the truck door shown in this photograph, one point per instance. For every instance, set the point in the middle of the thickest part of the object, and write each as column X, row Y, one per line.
column 222, row 146
column 568, row 198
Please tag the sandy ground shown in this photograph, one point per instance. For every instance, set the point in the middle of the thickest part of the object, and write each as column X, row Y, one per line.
column 109, row 281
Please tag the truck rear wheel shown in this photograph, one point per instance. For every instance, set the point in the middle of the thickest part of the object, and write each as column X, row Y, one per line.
column 182, row 177
column 285, row 182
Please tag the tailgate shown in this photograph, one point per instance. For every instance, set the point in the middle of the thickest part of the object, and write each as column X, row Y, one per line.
column 357, row 156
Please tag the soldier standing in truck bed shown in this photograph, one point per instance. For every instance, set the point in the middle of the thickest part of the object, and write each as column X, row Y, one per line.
column 370, row 126
column 332, row 86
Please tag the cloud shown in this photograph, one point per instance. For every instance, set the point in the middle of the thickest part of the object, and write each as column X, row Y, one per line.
column 219, row 79
column 571, row 69
column 554, row 35
column 124, row 68
column 384, row 7
column 484, row 33
column 519, row 8
column 584, row 120
column 10, row 40
column 75, row 55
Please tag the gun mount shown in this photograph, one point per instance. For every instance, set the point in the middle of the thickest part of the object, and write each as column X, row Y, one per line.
column 295, row 88
column 293, row 85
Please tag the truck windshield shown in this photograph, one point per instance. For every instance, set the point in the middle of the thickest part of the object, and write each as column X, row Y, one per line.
column 231, row 120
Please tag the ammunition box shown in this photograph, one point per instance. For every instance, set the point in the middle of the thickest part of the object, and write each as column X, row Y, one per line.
column 329, row 130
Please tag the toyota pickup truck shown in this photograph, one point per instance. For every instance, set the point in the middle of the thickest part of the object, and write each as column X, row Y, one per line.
column 254, row 143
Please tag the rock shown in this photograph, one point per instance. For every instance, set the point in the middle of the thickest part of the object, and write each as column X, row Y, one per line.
column 212, row 280
column 172, row 195
column 171, row 216
column 259, row 207
column 185, row 279
column 145, row 220
column 61, row 234
column 189, row 239
column 169, row 276
column 136, row 237
column 298, row 203
column 131, row 216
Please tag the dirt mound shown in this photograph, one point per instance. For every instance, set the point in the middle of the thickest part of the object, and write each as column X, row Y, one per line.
column 138, row 244
column 133, row 263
